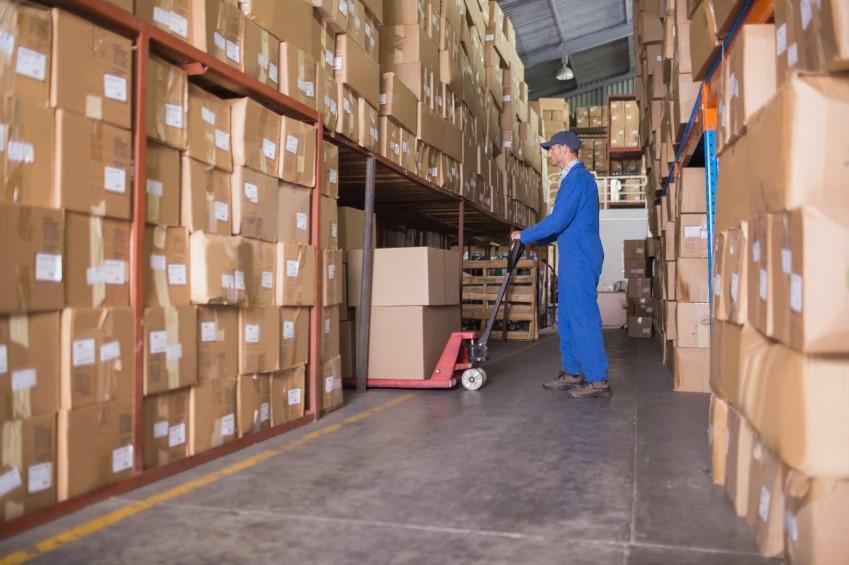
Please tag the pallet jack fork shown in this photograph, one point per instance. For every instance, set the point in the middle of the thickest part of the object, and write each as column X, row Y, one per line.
column 465, row 352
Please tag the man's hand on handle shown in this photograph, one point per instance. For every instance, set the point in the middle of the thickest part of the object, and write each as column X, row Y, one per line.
column 515, row 235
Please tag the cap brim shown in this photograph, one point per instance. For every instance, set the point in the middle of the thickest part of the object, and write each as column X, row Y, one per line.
column 546, row 145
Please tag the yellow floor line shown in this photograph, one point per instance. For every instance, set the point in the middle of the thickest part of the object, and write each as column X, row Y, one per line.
column 87, row 528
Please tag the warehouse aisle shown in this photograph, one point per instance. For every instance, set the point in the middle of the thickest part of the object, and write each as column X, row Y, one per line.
column 510, row 474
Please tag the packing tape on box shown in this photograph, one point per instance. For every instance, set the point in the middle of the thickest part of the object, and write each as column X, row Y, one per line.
column 173, row 351
column 21, row 396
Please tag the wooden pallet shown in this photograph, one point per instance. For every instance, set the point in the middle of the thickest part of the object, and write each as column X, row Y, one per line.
column 481, row 282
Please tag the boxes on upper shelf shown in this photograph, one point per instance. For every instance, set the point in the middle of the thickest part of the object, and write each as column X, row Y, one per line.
column 355, row 68
column 299, row 74
column 261, row 52
column 167, row 103
column 255, row 136
column 291, row 22
column 174, row 16
column 209, row 132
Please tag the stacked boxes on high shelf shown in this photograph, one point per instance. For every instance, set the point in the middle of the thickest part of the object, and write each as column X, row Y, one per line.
column 555, row 117
column 593, row 151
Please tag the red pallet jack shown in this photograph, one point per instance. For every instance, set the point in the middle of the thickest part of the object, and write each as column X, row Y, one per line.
column 464, row 353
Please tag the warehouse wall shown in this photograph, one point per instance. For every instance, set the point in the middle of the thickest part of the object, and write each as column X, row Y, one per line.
column 590, row 95
column 616, row 226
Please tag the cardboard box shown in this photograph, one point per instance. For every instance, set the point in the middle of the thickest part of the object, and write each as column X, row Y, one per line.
column 693, row 325
column 348, row 124
column 369, row 126
column 635, row 268
column 262, row 56
column 91, row 70
column 296, row 272
column 733, row 348
column 765, row 509
column 351, row 227
column 163, row 185
column 173, row 16
column 703, row 39
column 332, row 277
column 639, row 326
column 330, row 345
column 29, row 348
column 328, row 97
column 218, row 28
column 98, row 253
column 398, row 102
column 390, row 139
column 295, row 342
column 332, row 396
column 297, row 163
column 28, row 458
column 87, row 461
column 639, row 287
column 260, row 260
column 218, row 271
column 759, row 288
column 288, row 395
column 635, row 249
column 334, row 14
column 439, row 133
column 814, row 510
column 691, row 280
column 205, row 193
column 779, row 269
column 692, row 235
column 254, row 197
column 691, row 368
column 290, row 22
column 299, row 80
column 415, row 276
column 218, row 350
column 256, row 135
column 259, row 340
column 691, row 190
column 408, row 43
column 170, row 348
column 209, row 129
column 253, row 403
column 671, row 280
column 93, row 171
column 741, row 441
column 166, row 266
column 329, row 170
column 718, row 433
column 32, row 279
column 166, row 428
column 735, row 279
column 329, row 229
column 32, row 30
column 212, row 414
column 27, row 167
column 751, row 83
column 167, row 103
column 355, row 68
column 293, row 221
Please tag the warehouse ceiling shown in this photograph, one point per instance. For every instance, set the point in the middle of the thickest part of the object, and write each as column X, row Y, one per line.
column 597, row 35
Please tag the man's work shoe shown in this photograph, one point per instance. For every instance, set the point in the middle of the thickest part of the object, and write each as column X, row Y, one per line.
column 563, row 381
column 598, row 389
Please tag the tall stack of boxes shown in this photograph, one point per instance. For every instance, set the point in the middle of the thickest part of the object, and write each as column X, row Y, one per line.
column 638, row 256
column 333, row 269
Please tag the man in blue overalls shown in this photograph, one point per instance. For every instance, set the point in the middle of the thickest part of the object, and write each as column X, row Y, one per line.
column 573, row 223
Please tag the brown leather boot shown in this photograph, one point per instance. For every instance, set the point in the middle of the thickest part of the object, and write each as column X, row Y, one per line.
column 563, row 381
column 597, row 389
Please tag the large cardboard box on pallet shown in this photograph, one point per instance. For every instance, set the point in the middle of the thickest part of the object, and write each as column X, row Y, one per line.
column 28, row 465
column 98, row 255
column 218, row 342
column 212, row 414
column 209, row 135
column 170, row 348
column 29, row 363
column 166, row 427
column 413, row 276
column 288, row 394
column 253, row 403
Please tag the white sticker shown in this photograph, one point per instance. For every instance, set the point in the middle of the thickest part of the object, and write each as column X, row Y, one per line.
column 158, row 341
column 174, row 351
column 717, row 284
column 83, row 352
column 208, row 332
column 122, row 458
column 227, row 281
column 288, row 329
column 39, row 477
column 331, row 272
column 31, row 64
column 23, row 379
column 791, row 526
column 251, row 333
column 207, row 115
column 114, row 272
column 329, row 384
column 222, row 211
column 228, row 425
column 763, row 509
column 262, row 60
column 762, row 286
column 154, row 187
column 9, row 481
column 796, row 292
column 239, row 279
column 294, row 396
column 292, row 267
column 222, row 140
column 756, row 251
column 334, row 231
column 489, row 37
column 346, row 105
column 4, row 359
column 334, row 176
column 110, row 351
column 232, row 51
column 343, row 7
column 48, row 267
column 301, row 221
column 161, row 16
column 384, row 99
column 273, row 73
column 219, row 40
column 177, row 274
column 160, row 429
column 251, row 192
column 115, row 87
column 780, row 40
column 157, row 262
column 291, row 144
column 692, row 232
column 263, row 412
column 786, row 260
column 806, row 11
column 735, row 286
column 177, row 435
column 328, row 57
column 21, row 152
column 269, row 148
column 115, row 179
column 327, row 326
column 179, row 25
column 174, row 116
column 267, row 279
column 792, row 55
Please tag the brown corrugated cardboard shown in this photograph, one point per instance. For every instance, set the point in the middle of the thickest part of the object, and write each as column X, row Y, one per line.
column 692, row 235
column 671, row 280
column 415, row 276
column 390, row 139
column 98, row 254
column 329, row 333
column 162, row 185
column 759, row 290
column 718, row 439
column 256, row 135
column 29, row 362
column 735, row 276
column 639, row 326
column 329, row 229
column 691, row 190
column 166, row 266
column 408, row 43
column 212, row 414
column 355, row 27
column 732, row 348
column 209, row 129
column 27, row 165
column 332, row 396
column 348, row 124
column 670, row 317
column 166, row 423
column 218, row 335
column 814, row 514
column 332, row 277
column 253, row 403
column 369, row 126
column 262, row 56
column 635, row 249
column 398, row 101
column 218, row 28
column 174, row 16
column 32, row 279
column 294, row 333
column 170, row 348
column 293, row 220
column 299, row 74
column 30, row 27
column 780, row 266
column 297, row 142
column 93, row 171
column 765, row 509
column 635, row 268
column 351, row 226
column 91, row 70
column 167, row 103
column 328, row 97
column 691, row 368
column 29, row 458
column 335, row 14
column 324, row 41
column 218, row 271
column 288, row 395
column 750, row 82
column 296, row 264
column 291, row 22
column 205, row 193
column 691, row 276
column 348, row 348
column 254, row 197
column 735, row 201
column 259, row 340
column 693, row 326
column 617, row 123
column 355, row 68
column 639, row 287
column 329, row 170
column 86, row 460
column 260, row 261
column 439, row 133
column 703, row 40
column 740, row 443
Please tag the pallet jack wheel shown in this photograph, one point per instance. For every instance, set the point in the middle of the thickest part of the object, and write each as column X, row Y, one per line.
column 473, row 379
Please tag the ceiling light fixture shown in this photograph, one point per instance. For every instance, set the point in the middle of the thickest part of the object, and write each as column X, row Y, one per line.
column 565, row 72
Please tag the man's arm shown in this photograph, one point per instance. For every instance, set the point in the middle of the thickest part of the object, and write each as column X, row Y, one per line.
column 568, row 199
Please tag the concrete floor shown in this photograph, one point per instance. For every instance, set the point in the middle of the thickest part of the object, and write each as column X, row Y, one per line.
column 509, row 474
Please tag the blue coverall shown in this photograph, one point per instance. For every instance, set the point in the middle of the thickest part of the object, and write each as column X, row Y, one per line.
column 573, row 222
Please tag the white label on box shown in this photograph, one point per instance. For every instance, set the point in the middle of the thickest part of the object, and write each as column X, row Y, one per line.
column 329, row 384
column 157, row 262
column 692, row 232
column 177, row 274
column 328, row 57
column 23, row 379
column 228, row 424
column 294, row 396
column 2, row 137
column 506, row 98
column 346, row 105
column 269, row 148
column 786, row 261
column 161, row 16
column 262, row 60
column 122, row 458
column 334, row 108
column 273, row 73
column 252, row 192
column 160, row 429
column 115, row 87
column 154, row 187
column 267, row 279
column 227, row 281
column 174, row 116
column 375, row 134
column 384, row 99
column 292, row 267
column 327, row 326
column 735, row 286
column 9, row 481
column 489, row 37
column 174, row 351
column 791, row 525
column 21, row 152
column 263, row 412
column 233, row 52
column 337, row 63
column 158, row 341
column 110, row 351
column 208, row 116
column 179, row 25
column 343, row 7
column 83, row 352
column 291, row 144
column 222, row 140
column 762, row 289
column 177, row 435
column 717, row 284
column 115, row 179
column 219, row 40
column 222, row 211
column 239, row 278
column 48, row 267
column 334, row 231
column 7, row 42
column 288, row 329
column 4, row 359
column 251, row 333
column 792, row 54
column 780, row 40
column 114, row 272
column 433, row 171
column 806, row 11
column 763, row 508
column 796, row 292
column 39, row 477
column 756, row 251
column 31, row 64
column 334, row 176
column 208, row 332
column 331, row 272
column 301, row 221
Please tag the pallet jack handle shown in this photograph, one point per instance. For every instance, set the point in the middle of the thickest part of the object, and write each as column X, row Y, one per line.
column 513, row 256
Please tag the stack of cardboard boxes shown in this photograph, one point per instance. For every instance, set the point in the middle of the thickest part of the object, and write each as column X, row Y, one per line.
column 554, row 117
column 639, row 257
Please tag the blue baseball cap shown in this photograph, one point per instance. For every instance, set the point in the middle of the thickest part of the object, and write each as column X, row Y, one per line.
column 566, row 138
